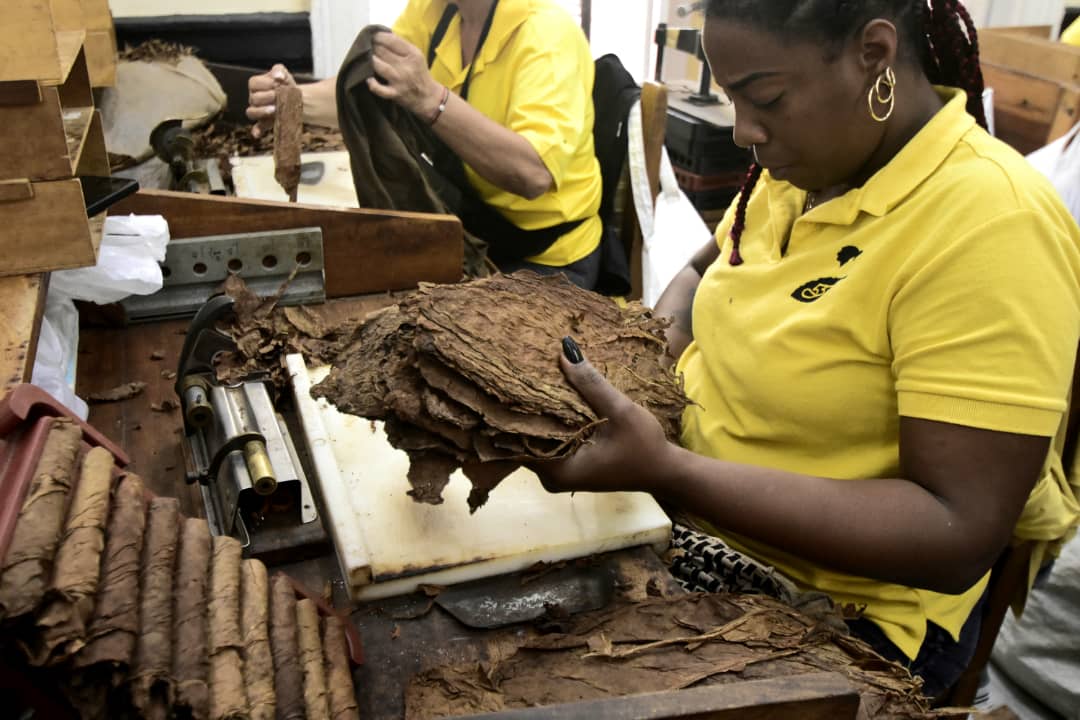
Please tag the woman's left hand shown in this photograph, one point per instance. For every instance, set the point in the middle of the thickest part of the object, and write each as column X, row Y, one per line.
column 404, row 75
column 627, row 452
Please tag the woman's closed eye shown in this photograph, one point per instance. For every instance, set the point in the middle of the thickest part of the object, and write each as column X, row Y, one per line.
column 767, row 103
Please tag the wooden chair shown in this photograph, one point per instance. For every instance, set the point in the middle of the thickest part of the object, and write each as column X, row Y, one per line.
column 654, row 122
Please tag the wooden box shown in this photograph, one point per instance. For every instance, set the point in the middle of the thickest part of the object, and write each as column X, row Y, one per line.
column 93, row 17
column 45, row 127
column 45, row 227
column 31, row 46
column 1036, row 86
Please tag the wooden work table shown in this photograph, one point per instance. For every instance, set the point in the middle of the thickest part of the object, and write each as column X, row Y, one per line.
column 405, row 635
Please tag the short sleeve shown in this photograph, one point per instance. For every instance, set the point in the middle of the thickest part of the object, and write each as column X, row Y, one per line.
column 552, row 97
column 984, row 329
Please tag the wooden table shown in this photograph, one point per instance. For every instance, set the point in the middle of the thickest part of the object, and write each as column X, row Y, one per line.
column 400, row 638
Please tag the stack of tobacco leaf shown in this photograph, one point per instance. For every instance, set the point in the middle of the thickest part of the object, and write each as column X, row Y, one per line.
column 468, row 375
column 265, row 333
column 663, row 644
column 133, row 611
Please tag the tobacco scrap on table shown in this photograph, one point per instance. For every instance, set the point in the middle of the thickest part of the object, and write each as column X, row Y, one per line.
column 116, row 394
column 467, row 376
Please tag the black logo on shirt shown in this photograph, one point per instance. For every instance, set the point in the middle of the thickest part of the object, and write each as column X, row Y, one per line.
column 847, row 254
column 814, row 289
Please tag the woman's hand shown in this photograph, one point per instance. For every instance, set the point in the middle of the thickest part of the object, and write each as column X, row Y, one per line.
column 628, row 452
column 262, row 90
column 403, row 76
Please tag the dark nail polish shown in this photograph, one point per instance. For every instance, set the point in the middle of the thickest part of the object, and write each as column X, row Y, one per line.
column 571, row 350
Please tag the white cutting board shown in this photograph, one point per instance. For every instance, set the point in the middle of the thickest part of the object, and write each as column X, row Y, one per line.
column 388, row 544
column 253, row 178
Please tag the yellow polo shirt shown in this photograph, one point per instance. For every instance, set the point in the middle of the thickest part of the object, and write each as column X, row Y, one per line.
column 534, row 75
column 946, row 288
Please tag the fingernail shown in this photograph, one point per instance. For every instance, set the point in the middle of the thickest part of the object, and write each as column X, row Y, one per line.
column 571, row 350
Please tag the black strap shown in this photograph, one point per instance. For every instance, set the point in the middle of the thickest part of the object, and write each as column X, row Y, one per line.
column 440, row 33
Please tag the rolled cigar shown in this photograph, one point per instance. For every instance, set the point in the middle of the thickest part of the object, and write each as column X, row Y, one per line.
column 151, row 683
column 115, row 621
column 61, row 623
column 339, row 681
column 311, row 659
column 228, row 700
column 191, row 668
column 254, row 621
column 288, row 127
column 27, row 568
column 288, row 677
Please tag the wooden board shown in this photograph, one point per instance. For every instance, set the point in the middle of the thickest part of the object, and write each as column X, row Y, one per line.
column 48, row 231
column 366, row 251
column 93, row 156
column 817, row 696
column 28, row 44
column 97, row 15
column 23, row 300
column 1039, row 57
column 42, row 141
column 68, row 15
column 101, row 57
column 1030, row 111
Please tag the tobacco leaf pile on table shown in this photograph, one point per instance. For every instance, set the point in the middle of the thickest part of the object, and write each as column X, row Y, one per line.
column 468, row 375
column 133, row 611
column 265, row 334
column 663, row 644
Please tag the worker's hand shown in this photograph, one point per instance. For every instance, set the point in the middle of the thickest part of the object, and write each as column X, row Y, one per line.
column 623, row 454
column 261, row 91
column 403, row 76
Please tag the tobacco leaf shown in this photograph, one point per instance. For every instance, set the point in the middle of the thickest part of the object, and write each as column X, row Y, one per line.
column 116, row 394
column 642, row 647
column 471, row 372
column 288, row 125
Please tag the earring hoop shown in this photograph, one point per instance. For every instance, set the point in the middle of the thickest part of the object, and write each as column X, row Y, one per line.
column 884, row 91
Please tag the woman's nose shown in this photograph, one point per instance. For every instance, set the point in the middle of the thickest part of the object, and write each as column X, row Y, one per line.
column 748, row 132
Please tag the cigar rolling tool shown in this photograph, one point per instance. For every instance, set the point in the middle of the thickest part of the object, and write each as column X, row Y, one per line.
column 239, row 450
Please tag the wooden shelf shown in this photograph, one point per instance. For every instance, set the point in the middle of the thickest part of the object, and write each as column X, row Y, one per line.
column 23, row 300
column 45, row 228
column 76, row 126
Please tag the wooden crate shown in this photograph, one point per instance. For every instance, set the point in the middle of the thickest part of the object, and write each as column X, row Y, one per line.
column 101, row 57
column 1036, row 86
column 45, row 227
column 44, row 128
column 93, row 17
column 31, row 47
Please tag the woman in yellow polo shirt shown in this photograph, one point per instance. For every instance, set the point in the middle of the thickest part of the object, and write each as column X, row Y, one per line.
column 507, row 86
column 881, row 341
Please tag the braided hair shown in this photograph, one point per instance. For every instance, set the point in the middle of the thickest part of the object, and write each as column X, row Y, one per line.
column 939, row 34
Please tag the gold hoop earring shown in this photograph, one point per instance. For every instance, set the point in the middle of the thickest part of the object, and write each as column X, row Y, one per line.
column 884, row 91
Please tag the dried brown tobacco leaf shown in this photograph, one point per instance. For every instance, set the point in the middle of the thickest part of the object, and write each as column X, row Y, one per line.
column 467, row 375
column 117, row 394
column 28, row 565
column 61, row 624
column 191, row 669
column 254, row 621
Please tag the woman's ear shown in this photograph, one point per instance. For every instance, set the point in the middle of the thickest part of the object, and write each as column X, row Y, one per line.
column 877, row 47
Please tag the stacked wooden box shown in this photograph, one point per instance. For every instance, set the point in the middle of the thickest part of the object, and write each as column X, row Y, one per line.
column 50, row 134
column 1036, row 84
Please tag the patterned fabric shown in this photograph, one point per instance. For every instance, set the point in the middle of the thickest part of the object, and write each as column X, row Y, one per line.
column 703, row 563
